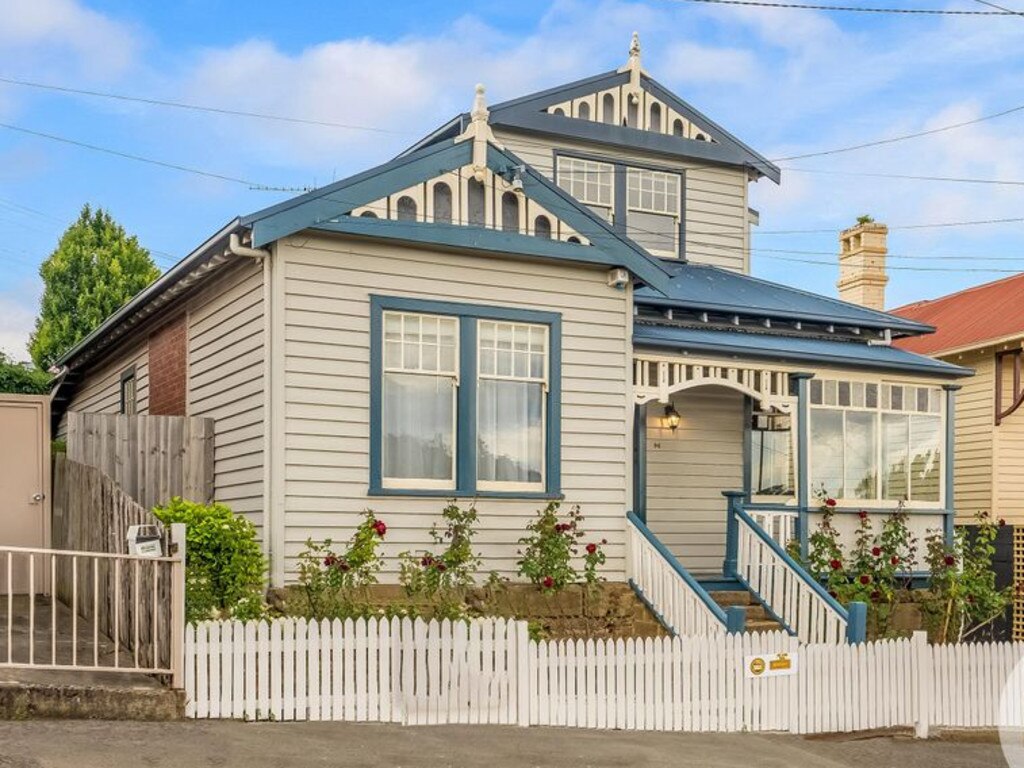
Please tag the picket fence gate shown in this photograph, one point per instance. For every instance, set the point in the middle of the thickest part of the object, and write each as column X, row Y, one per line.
column 489, row 671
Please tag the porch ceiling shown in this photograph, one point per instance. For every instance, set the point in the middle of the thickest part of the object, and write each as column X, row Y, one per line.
column 791, row 349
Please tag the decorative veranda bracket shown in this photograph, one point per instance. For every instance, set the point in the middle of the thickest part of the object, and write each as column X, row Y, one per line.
column 1017, row 394
column 658, row 379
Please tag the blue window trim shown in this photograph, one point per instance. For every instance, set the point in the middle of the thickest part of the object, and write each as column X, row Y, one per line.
column 465, row 470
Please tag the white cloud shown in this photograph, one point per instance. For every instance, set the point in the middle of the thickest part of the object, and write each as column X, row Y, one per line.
column 43, row 32
column 693, row 63
column 17, row 319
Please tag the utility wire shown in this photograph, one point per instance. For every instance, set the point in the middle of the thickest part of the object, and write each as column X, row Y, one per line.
column 194, row 107
column 852, row 8
column 910, row 177
column 1001, row 8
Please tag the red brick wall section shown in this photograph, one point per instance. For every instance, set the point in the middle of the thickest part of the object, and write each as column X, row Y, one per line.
column 168, row 363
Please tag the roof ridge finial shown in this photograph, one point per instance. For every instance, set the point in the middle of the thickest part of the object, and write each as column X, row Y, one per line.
column 479, row 131
column 634, row 68
column 634, row 47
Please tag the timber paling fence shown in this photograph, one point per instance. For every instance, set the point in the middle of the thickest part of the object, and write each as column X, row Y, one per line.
column 489, row 671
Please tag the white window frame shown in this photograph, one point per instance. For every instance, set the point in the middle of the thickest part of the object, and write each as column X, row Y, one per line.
column 936, row 408
column 543, row 380
column 635, row 187
column 574, row 174
column 409, row 483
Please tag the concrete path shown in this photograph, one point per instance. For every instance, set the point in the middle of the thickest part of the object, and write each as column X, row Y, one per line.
column 92, row 744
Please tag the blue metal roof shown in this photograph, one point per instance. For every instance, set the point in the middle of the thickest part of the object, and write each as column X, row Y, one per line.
column 791, row 349
column 712, row 289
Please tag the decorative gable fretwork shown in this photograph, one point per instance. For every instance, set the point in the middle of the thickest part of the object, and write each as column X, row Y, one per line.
column 631, row 105
column 1009, row 383
column 458, row 198
column 657, row 378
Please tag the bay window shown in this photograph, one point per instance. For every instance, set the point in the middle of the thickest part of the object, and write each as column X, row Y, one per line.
column 871, row 442
column 464, row 399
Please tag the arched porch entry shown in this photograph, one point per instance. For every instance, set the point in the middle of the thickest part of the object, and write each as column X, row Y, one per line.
column 693, row 441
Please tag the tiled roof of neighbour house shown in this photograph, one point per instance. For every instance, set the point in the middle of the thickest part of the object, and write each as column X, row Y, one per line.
column 790, row 349
column 968, row 318
column 713, row 289
column 327, row 208
column 527, row 113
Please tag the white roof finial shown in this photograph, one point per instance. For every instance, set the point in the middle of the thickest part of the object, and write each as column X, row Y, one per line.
column 479, row 131
column 634, row 47
column 480, row 111
column 634, row 68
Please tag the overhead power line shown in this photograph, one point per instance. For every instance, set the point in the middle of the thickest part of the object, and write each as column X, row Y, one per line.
column 1000, row 7
column 910, row 177
column 854, row 8
column 128, row 155
column 193, row 107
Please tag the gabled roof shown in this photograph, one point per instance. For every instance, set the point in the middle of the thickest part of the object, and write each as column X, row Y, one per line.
column 969, row 318
column 713, row 289
column 791, row 349
column 326, row 209
column 528, row 113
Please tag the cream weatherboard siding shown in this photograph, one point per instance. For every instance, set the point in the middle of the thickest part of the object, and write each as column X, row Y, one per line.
column 688, row 469
column 225, row 382
column 100, row 390
column 321, row 321
column 973, row 473
column 717, row 222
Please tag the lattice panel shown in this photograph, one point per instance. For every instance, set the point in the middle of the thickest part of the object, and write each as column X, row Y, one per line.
column 1018, row 578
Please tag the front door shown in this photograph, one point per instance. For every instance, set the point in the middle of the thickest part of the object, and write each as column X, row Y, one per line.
column 24, row 474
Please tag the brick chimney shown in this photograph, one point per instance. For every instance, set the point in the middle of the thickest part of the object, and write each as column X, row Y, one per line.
column 862, row 276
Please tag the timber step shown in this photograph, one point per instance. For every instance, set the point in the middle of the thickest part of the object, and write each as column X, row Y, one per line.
column 758, row 619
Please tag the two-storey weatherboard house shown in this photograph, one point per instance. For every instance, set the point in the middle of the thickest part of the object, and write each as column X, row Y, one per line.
column 546, row 299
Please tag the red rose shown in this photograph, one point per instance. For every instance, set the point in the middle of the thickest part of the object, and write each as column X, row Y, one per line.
column 830, row 502
column 876, row 595
column 591, row 549
column 876, row 551
column 441, row 567
column 863, row 515
column 427, row 561
column 380, row 528
column 894, row 560
column 865, row 579
column 950, row 560
column 548, row 582
column 1001, row 522
column 330, row 560
column 836, row 565
column 342, row 566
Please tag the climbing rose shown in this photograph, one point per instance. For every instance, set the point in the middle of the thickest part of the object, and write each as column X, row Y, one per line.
column 591, row 549
column 894, row 560
column 830, row 502
column 380, row 528
column 1002, row 522
column 330, row 560
column 342, row 566
column 876, row 551
column 441, row 567
column 865, row 579
column 836, row 565
column 427, row 561
column 863, row 514
column 950, row 560
column 548, row 582
column 876, row 595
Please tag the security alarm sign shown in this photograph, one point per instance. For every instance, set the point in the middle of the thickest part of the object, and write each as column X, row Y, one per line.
column 771, row 666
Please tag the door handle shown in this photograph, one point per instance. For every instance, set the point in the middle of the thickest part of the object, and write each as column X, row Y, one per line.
column 37, row 497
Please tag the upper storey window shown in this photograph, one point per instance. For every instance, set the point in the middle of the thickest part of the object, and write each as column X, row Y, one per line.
column 588, row 181
column 653, row 202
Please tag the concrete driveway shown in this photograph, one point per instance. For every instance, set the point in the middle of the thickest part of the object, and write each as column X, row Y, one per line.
column 97, row 744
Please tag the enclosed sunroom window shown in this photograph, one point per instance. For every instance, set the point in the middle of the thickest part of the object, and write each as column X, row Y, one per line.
column 872, row 442
column 420, row 381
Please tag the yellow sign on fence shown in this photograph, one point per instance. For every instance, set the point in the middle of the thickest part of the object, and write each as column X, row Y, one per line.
column 771, row 666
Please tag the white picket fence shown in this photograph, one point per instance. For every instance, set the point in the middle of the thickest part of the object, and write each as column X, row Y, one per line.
column 488, row 671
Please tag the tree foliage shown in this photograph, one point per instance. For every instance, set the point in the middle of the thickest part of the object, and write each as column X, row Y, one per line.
column 21, row 378
column 95, row 269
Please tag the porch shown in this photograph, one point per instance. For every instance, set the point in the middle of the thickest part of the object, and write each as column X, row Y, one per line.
column 777, row 440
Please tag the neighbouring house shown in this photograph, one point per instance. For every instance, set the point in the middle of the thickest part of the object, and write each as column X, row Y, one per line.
column 982, row 328
column 547, row 299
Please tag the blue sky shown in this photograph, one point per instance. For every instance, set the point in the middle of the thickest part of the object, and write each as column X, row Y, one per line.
column 786, row 82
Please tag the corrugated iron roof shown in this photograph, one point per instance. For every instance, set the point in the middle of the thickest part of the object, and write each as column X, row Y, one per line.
column 969, row 318
column 792, row 349
column 708, row 288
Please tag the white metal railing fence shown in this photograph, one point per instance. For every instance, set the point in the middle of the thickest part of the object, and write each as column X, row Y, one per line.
column 488, row 671
column 671, row 592
column 93, row 611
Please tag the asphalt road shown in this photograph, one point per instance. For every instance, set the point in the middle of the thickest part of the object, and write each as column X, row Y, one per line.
column 98, row 744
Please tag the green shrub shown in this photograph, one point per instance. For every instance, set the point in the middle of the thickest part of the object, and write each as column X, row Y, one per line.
column 451, row 569
column 551, row 547
column 224, row 562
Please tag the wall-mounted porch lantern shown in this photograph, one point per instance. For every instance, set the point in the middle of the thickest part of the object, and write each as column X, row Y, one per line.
column 672, row 417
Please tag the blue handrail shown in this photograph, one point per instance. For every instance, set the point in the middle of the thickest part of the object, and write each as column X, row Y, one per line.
column 691, row 582
column 800, row 571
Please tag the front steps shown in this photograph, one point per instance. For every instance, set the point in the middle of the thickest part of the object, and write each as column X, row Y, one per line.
column 758, row 619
